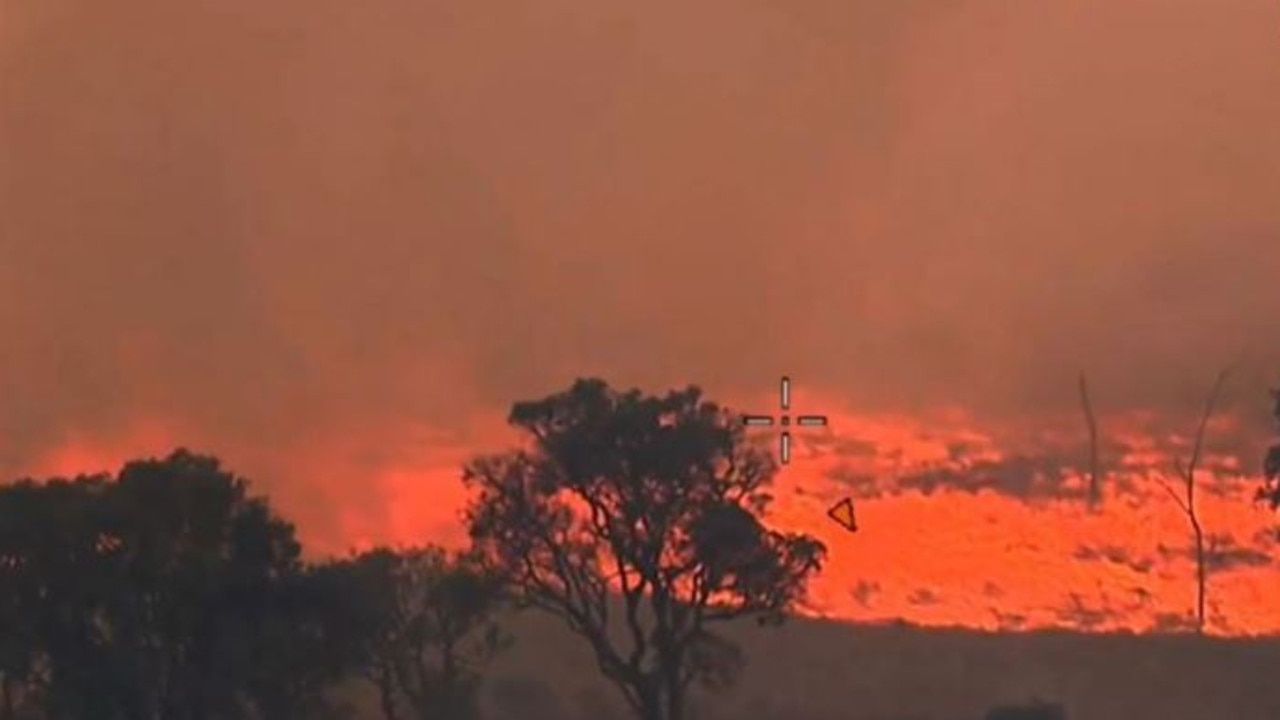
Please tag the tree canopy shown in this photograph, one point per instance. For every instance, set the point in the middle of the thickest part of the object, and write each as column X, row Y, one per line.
column 418, row 624
column 169, row 592
column 143, row 595
column 650, row 503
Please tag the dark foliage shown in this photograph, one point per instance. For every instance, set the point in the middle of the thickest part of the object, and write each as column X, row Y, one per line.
column 152, row 594
column 418, row 625
column 168, row 592
column 657, row 500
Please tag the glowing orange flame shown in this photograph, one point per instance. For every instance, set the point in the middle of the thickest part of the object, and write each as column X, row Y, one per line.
column 958, row 524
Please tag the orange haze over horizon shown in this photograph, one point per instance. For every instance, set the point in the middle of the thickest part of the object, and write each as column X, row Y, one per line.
column 331, row 242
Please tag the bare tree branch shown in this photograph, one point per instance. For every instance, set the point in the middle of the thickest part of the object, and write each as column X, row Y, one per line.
column 1204, row 420
column 1188, row 505
column 1091, row 422
column 1182, row 505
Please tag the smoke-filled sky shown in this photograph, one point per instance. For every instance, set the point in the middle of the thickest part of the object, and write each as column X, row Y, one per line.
column 325, row 239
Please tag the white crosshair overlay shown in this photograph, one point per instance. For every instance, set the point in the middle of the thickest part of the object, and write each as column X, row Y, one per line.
column 785, row 421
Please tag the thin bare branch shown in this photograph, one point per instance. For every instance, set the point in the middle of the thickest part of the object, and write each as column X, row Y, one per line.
column 1091, row 422
column 1188, row 505
column 1204, row 420
column 1182, row 505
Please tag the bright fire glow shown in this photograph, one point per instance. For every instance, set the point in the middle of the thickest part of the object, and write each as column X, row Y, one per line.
column 955, row 528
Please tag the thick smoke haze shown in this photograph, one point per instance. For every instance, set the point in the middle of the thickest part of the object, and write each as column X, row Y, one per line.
column 292, row 229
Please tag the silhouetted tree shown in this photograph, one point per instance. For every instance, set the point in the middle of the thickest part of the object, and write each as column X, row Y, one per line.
column 1091, row 423
column 363, row 607
column 202, row 563
column 419, row 625
column 158, row 594
column 52, row 593
column 1187, row 501
column 303, row 655
column 655, row 499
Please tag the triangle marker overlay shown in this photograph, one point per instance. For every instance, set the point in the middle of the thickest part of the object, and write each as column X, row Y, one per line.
column 842, row 513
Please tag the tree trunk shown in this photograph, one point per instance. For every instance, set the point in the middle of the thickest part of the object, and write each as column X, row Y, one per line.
column 387, row 695
column 674, row 688
column 661, row 698
column 651, row 706
column 1095, row 490
column 675, row 703
column 8, row 704
column 1200, row 573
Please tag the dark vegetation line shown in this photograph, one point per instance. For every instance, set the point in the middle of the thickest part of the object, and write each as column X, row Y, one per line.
column 169, row 592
